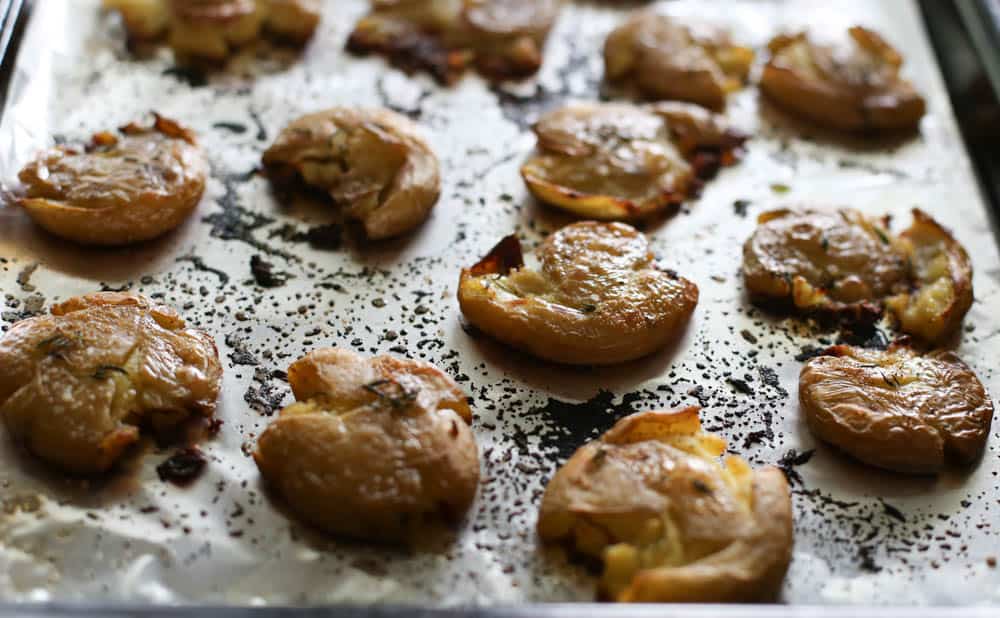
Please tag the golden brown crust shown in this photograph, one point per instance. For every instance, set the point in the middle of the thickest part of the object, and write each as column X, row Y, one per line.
column 897, row 409
column 376, row 448
column 596, row 298
column 76, row 385
column 373, row 163
column 503, row 38
column 613, row 161
column 850, row 87
column 942, row 282
column 119, row 189
column 670, row 522
column 667, row 57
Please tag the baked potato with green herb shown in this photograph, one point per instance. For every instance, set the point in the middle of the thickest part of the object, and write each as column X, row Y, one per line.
column 670, row 521
column 595, row 298
column 76, row 386
column 615, row 161
column 897, row 409
column 374, row 448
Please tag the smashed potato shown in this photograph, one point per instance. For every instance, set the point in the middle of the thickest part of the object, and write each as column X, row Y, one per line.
column 374, row 448
column 942, row 282
column 213, row 29
column 613, row 161
column 596, row 297
column 120, row 188
column 834, row 261
column 372, row 162
column 76, row 386
column 897, row 409
column 843, row 262
column 854, row 86
column 666, row 57
column 503, row 38
column 670, row 522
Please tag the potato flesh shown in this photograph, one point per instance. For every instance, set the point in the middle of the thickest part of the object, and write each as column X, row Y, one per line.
column 74, row 386
column 822, row 260
column 942, row 272
column 897, row 409
column 651, row 499
column 671, row 59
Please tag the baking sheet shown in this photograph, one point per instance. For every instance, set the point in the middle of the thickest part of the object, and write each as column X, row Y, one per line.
column 862, row 536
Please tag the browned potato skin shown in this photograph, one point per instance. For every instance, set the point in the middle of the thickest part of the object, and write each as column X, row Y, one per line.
column 673, row 148
column 74, row 386
column 393, row 180
column 597, row 298
column 897, row 409
column 503, row 38
column 668, row 58
column 933, row 311
column 733, row 524
column 382, row 468
column 830, row 261
column 211, row 30
column 863, row 94
column 121, row 189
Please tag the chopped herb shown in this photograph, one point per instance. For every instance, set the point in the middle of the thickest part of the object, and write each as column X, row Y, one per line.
column 393, row 393
column 740, row 207
column 105, row 371
column 588, row 308
column 56, row 346
column 778, row 187
column 882, row 236
column 825, row 243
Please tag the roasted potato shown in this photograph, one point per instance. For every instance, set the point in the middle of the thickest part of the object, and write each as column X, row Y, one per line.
column 372, row 162
column 854, row 86
column 836, row 261
column 613, row 161
column 76, row 386
column 942, row 282
column 504, row 38
column 596, row 298
column 374, row 448
column 667, row 57
column 120, row 188
column 897, row 409
column 212, row 29
column 670, row 522
column 144, row 19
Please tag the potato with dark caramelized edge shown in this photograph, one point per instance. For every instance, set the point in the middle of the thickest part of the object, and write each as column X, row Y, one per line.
column 372, row 162
column 669, row 521
column 119, row 189
column 836, row 261
column 668, row 57
column 853, row 86
column 596, row 298
column 613, row 161
column 897, row 409
column 504, row 38
column 942, row 282
column 76, row 386
column 374, row 448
